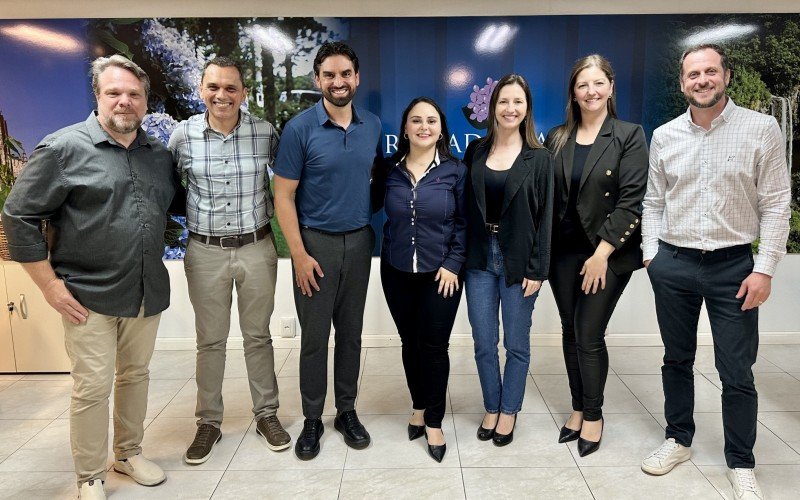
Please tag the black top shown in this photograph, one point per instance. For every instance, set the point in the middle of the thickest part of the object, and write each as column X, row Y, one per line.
column 571, row 235
column 495, row 183
column 107, row 209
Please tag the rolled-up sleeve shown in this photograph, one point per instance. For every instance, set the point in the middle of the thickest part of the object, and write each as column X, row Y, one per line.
column 37, row 195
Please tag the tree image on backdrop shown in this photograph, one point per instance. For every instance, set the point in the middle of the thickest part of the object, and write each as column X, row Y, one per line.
column 276, row 56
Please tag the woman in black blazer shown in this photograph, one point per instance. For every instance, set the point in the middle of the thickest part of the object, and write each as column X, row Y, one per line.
column 600, row 166
column 509, row 196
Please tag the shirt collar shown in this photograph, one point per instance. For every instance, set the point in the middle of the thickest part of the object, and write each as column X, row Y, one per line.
column 99, row 135
column 726, row 115
column 243, row 115
column 322, row 115
column 435, row 163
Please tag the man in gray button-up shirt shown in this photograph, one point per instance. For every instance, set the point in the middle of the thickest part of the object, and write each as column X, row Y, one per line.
column 105, row 186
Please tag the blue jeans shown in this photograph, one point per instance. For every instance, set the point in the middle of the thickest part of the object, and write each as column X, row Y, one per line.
column 486, row 294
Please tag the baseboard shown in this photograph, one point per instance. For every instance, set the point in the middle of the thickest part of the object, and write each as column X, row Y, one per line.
column 461, row 340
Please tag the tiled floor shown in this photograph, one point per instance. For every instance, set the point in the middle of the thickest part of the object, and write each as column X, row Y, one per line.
column 35, row 459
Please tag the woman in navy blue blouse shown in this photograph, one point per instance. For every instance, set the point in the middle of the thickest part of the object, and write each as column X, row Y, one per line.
column 421, row 259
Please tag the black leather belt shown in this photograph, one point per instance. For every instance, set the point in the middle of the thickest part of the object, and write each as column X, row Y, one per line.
column 233, row 241
column 493, row 228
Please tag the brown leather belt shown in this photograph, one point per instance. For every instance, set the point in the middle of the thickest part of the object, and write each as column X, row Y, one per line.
column 233, row 241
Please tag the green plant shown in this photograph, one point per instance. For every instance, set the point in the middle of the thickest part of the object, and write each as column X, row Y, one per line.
column 12, row 150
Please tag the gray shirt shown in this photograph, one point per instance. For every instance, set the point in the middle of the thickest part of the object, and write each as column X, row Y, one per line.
column 107, row 209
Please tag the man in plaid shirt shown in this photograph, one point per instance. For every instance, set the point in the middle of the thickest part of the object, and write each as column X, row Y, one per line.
column 224, row 155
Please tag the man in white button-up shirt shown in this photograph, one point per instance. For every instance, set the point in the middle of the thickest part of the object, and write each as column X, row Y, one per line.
column 718, row 181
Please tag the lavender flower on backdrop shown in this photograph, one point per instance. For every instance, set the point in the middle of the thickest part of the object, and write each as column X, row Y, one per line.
column 477, row 110
column 159, row 126
column 181, row 59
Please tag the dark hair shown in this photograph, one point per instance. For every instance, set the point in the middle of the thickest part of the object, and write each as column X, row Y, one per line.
column 224, row 62
column 563, row 132
column 526, row 128
column 703, row 46
column 328, row 49
column 442, row 144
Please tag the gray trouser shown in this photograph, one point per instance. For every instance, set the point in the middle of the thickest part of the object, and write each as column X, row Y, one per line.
column 345, row 260
column 96, row 349
column 211, row 272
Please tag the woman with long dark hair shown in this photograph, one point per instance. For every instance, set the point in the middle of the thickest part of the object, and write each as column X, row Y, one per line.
column 601, row 167
column 509, row 213
column 421, row 259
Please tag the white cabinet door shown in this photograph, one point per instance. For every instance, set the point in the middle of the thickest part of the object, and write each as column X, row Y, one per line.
column 35, row 326
column 6, row 340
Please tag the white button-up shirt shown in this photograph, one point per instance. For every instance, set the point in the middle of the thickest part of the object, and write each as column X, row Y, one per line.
column 717, row 188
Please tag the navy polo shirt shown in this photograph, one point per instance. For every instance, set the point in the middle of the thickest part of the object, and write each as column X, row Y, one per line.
column 333, row 166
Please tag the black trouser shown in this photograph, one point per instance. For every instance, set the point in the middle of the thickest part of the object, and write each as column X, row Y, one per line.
column 424, row 321
column 682, row 279
column 584, row 319
column 345, row 260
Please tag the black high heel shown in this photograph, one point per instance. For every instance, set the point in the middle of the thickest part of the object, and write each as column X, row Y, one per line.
column 485, row 434
column 415, row 431
column 436, row 451
column 504, row 439
column 566, row 435
column 586, row 447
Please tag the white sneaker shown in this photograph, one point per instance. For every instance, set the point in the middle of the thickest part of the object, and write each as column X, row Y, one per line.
column 665, row 458
column 142, row 470
column 92, row 490
column 744, row 484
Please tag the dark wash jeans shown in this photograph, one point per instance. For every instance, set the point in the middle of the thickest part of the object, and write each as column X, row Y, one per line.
column 682, row 279
column 424, row 321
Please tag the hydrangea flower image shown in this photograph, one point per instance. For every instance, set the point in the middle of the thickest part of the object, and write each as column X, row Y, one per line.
column 159, row 126
column 182, row 61
column 175, row 238
column 477, row 110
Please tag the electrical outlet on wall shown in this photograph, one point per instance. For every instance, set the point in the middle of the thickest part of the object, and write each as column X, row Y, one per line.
column 288, row 328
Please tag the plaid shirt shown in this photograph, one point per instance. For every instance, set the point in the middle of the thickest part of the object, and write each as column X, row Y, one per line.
column 712, row 189
column 228, row 177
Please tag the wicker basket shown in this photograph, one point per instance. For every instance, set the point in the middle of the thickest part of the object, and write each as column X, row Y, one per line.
column 4, row 254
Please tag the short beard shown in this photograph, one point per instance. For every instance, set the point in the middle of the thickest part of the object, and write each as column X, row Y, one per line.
column 121, row 126
column 710, row 104
column 339, row 102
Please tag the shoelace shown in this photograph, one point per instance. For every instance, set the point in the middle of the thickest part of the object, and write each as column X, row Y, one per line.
column 746, row 479
column 273, row 425
column 665, row 450
column 309, row 428
column 203, row 435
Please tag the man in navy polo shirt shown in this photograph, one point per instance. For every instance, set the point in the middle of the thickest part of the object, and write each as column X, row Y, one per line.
column 322, row 198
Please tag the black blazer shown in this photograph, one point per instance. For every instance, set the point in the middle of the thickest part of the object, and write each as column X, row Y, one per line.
column 525, row 218
column 612, row 187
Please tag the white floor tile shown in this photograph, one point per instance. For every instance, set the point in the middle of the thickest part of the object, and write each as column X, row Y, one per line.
column 38, row 485
column 466, row 395
column 623, row 483
column 550, row 483
column 316, row 484
column 180, row 485
column 617, row 397
column 29, row 399
column 409, row 484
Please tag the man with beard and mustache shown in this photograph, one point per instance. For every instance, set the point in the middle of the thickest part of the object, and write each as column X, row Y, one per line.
column 718, row 181
column 105, row 187
column 224, row 154
column 322, row 197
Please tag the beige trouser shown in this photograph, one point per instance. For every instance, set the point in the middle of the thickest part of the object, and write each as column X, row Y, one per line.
column 211, row 272
column 94, row 349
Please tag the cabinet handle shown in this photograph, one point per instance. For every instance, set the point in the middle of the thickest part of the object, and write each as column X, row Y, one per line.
column 10, row 306
column 23, row 306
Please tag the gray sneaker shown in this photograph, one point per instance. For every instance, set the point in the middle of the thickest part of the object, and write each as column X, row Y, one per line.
column 202, row 446
column 272, row 431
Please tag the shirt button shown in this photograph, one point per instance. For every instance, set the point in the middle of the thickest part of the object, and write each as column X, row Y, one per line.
column 627, row 233
column 146, row 252
column 608, row 194
column 145, row 226
column 633, row 226
column 608, row 172
column 622, row 240
column 226, row 162
column 228, row 224
column 636, row 221
column 227, row 182
column 229, row 203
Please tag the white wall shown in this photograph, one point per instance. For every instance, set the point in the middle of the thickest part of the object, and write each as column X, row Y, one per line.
column 633, row 323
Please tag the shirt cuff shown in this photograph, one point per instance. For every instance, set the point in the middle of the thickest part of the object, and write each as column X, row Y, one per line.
column 29, row 253
column 765, row 265
column 649, row 251
column 452, row 265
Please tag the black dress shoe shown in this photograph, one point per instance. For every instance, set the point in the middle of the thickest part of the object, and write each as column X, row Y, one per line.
column 504, row 439
column 307, row 445
column 566, row 435
column 436, row 451
column 586, row 447
column 354, row 434
column 415, row 431
column 485, row 434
